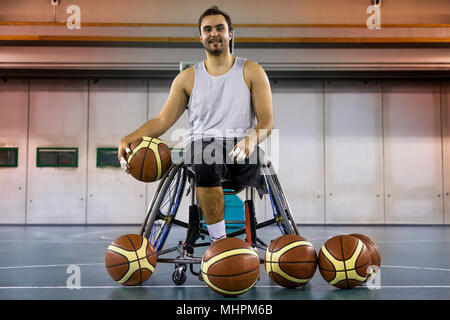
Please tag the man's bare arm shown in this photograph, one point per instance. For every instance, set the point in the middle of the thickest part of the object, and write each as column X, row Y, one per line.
column 263, row 108
column 169, row 114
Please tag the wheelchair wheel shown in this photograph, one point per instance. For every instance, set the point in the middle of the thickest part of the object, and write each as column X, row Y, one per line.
column 179, row 275
column 164, row 206
column 280, row 206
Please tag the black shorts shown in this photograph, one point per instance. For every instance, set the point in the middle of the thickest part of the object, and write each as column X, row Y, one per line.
column 212, row 165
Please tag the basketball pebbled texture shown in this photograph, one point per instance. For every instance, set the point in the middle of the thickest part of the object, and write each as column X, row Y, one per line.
column 372, row 246
column 230, row 266
column 150, row 158
column 343, row 261
column 290, row 261
column 130, row 259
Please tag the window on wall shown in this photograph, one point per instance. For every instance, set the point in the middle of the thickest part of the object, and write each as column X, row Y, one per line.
column 107, row 157
column 57, row 157
column 9, row 157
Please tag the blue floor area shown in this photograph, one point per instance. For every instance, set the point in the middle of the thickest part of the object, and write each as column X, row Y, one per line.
column 34, row 262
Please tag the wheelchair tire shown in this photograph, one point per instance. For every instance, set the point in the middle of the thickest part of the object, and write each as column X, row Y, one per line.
column 170, row 192
column 179, row 275
column 282, row 211
column 287, row 208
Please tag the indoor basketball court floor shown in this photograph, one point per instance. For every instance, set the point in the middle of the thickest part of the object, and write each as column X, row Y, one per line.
column 35, row 265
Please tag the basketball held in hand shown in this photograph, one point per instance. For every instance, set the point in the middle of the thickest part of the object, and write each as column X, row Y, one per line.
column 149, row 159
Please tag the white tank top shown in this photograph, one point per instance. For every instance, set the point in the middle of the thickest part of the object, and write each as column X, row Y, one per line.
column 220, row 106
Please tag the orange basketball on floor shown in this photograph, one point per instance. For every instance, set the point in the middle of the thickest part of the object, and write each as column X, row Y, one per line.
column 130, row 259
column 230, row 266
column 375, row 253
column 290, row 261
column 343, row 261
column 149, row 159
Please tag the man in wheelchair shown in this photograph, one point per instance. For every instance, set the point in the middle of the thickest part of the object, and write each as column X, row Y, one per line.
column 230, row 112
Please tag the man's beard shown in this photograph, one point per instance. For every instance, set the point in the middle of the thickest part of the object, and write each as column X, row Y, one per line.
column 216, row 51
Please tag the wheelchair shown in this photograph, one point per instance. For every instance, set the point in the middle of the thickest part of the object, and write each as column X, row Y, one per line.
column 162, row 211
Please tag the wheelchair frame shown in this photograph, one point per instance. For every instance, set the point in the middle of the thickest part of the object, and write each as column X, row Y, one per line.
column 162, row 210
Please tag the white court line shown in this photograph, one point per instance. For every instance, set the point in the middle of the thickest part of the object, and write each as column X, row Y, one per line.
column 423, row 268
column 58, row 241
column 109, row 287
column 52, row 265
column 408, row 241
column 95, row 232
column 205, row 286
column 383, row 241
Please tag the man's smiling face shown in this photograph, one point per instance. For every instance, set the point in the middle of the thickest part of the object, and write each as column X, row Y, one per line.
column 215, row 35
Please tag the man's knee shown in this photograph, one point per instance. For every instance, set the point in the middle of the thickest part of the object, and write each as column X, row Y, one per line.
column 212, row 194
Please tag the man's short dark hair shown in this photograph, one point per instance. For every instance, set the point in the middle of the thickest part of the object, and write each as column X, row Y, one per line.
column 212, row 12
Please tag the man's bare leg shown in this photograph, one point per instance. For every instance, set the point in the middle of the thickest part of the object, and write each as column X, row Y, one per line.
column 212, row 202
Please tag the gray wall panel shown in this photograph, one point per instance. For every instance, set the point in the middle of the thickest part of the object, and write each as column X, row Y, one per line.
column 13, row 133
column 58, row 118
column 116, row 108
column 413, row 152
column 298, row 115
column 353, row 152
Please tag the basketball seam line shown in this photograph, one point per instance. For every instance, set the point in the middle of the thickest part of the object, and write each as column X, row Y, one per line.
column 321, row 269
column 229, row 275
column 143, row 161
column 228, row 257
column 270, row 250
column 154, row 156
column 343, row 257
column 379, row 259
column 289, row 261
column 359, row 255
column 227, row 251
column 371, row 244
column 273, row 273
column 135, row 252
column 125, row 263
column 354, row 249
column 302, row 245
column 331, row 254
column 325, row 257
column 281, row 256
column 128, row 261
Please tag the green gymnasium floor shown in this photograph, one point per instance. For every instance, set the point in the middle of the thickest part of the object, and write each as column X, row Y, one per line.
column 34, row 262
